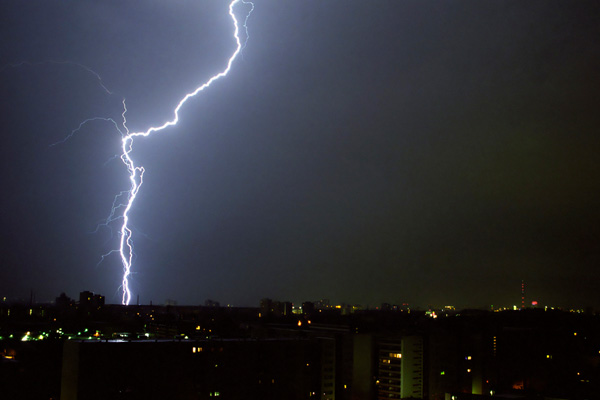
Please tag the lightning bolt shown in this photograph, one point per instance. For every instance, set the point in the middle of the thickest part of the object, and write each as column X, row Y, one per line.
column 136, row 173
column 85, row 67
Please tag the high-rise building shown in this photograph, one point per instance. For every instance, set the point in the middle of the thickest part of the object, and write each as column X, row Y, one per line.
column 89, row 301
column 237, row 369
column 522, row 294
column 328, row 368
column 400, row 368
column 275, row 308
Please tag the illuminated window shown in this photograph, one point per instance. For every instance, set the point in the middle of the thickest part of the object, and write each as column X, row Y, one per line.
column 193, row 349
column 395, row 355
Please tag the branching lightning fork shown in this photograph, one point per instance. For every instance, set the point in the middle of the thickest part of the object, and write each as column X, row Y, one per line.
column 136, row 173
column 85, row 67
column 123, row 202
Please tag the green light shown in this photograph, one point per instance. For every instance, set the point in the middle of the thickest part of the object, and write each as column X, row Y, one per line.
column 443, row 373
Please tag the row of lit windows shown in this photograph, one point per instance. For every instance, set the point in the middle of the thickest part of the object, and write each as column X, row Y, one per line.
column 200, row 349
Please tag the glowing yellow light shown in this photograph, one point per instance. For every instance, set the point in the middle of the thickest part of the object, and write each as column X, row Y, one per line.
column 299, row 323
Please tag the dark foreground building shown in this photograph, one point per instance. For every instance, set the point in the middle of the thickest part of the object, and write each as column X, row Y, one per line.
column 226, row 369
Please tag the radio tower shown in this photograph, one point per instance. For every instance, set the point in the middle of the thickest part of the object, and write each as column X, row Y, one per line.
column 522, row 294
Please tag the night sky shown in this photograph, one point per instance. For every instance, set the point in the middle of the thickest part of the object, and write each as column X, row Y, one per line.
column 428, row 152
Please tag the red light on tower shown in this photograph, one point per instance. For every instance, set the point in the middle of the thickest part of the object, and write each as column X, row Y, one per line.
column 534, row 303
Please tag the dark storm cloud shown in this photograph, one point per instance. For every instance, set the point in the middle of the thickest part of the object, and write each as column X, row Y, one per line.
column 430, row 152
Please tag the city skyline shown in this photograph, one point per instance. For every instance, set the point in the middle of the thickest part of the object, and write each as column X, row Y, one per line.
column 420, row 152
column 524, row 301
